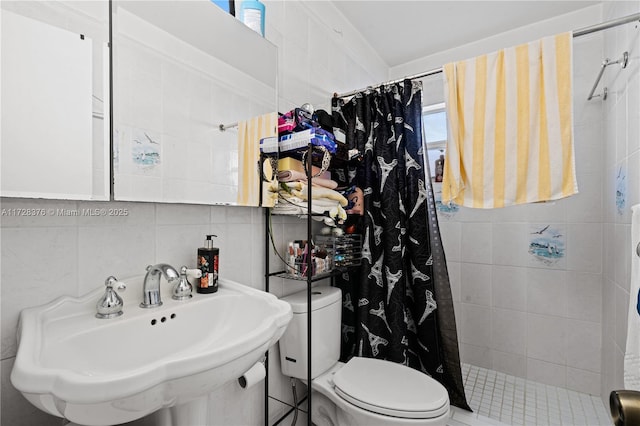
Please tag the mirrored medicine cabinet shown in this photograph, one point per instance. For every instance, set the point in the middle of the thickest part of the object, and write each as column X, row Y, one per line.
column 55, row 100
column 179, row 69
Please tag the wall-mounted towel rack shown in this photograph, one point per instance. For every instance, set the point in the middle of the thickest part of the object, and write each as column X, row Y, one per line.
column 623, row 63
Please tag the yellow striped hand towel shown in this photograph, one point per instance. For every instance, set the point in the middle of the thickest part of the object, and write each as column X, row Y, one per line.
column 510, row 126
column 249, row 134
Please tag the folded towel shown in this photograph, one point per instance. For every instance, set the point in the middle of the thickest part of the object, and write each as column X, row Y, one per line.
column 321, row 204
column 294, row 185
column 291, row 176
column 270, row 193
column 318, row 192
column 294, row 176
column 292, row 164
column 325, row 183
column 510, row 137
column 292, row 205
column 269, row 198
column 632, row 353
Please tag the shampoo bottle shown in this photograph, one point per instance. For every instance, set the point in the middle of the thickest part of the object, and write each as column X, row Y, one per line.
column 252, row 15
column 208, row 260
column 440, row 168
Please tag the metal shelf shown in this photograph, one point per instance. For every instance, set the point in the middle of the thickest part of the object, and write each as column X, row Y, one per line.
column 308, row 280
column 317, row 277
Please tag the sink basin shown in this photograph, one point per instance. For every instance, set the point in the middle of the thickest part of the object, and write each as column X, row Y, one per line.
column 108, row 371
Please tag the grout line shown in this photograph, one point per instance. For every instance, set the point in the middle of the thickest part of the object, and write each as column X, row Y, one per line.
column 538, row 403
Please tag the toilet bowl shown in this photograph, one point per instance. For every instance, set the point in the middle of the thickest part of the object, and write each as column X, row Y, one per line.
column 362, row 391
column 367, row 391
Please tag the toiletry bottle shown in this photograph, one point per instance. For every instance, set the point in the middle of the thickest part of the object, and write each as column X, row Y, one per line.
column 440, row 168
column 208, row 259
column 252, row 15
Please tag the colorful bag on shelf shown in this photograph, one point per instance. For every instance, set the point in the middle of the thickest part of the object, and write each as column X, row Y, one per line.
column 296, row 120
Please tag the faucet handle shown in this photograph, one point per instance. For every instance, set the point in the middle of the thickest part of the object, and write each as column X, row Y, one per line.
column 112, row 282
column 183, row 289
column 110, row 304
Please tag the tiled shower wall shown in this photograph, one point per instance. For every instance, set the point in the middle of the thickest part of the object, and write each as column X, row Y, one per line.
column 565, row 324
column 621, row 166
column 534, row 316
column 43, row 258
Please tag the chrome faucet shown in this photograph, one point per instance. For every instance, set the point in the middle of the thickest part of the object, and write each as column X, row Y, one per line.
column 151, row 286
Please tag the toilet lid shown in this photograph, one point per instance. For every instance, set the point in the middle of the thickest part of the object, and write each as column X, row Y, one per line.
column 391, row 389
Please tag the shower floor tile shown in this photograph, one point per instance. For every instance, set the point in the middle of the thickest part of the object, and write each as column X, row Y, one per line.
column 499, row 399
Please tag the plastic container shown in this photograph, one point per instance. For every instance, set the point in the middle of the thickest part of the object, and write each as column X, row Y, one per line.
column 252, row 15
column 298, row 253
column 345, row 250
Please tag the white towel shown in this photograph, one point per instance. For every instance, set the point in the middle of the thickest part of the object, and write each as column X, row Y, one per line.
column 632, row 354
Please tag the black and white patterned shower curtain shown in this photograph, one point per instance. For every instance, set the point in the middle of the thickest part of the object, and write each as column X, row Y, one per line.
column 397, row 305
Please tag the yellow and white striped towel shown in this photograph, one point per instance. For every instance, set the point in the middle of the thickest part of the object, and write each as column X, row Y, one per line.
column 249, row 134
column 510, row 126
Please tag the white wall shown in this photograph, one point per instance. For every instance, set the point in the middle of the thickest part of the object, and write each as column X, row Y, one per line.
column 622, row 154
column 514, row 313
column 45, row 257
column 568, row 22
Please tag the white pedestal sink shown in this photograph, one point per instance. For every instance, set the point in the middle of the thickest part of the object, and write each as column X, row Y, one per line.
column 109, row 371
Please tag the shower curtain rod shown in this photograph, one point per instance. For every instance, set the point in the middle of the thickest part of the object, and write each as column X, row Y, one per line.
column 576, row 33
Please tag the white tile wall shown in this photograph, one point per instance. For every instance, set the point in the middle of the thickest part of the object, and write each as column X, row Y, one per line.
column 43, row 258
column 584, row 296
column 583, row 345
column 622, row 151
column 509, row 331
column 546, row 292
column 516, row 314
column 546, row 339
column 477, row 283
column 476, row 242
column 509, row 288
column 475, row 323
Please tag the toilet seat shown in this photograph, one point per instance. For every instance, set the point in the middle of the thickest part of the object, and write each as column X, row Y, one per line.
column 390, row 389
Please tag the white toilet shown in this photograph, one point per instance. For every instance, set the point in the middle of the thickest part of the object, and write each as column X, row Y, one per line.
column 363, row 391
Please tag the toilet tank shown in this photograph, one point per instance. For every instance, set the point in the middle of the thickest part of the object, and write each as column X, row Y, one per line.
column 326, row 305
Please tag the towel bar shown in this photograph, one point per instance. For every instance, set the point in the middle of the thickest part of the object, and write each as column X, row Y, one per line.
column 223, row 127
column 638, row 249
column 623, row 63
